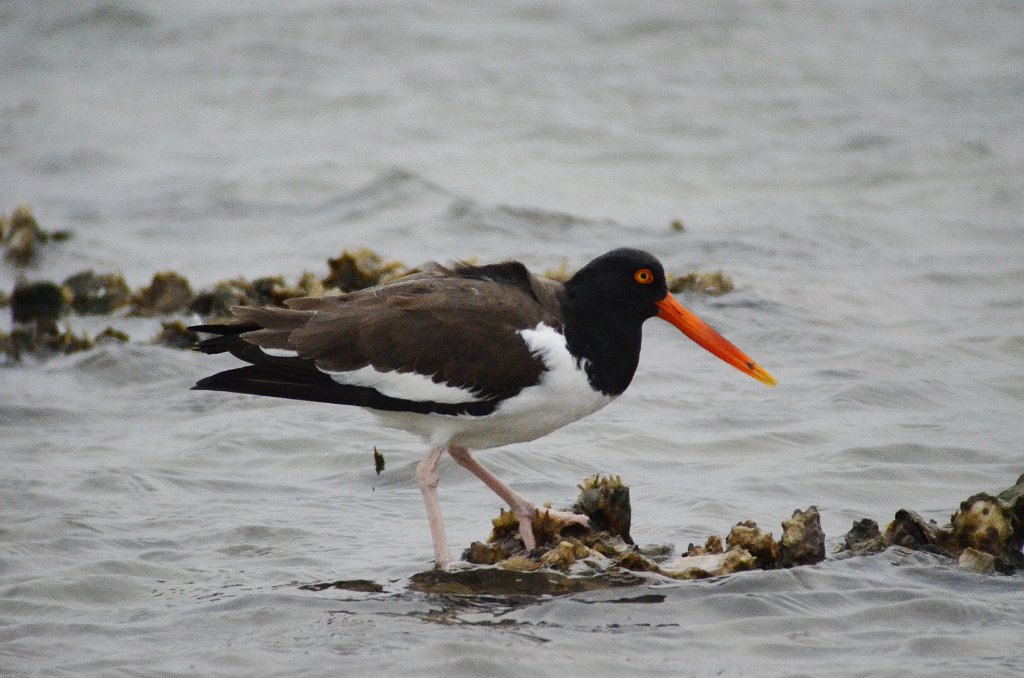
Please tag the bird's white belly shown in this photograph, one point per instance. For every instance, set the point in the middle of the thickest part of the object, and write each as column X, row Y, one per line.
column 562, row 396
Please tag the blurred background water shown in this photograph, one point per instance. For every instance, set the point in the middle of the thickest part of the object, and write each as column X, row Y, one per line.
column 857, row 168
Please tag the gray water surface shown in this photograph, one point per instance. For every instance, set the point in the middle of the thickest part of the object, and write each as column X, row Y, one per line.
column 857, row 168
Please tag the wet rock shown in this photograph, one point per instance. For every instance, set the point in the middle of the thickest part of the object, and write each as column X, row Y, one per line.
column 97, row 294
column 984, row 524
column 699, row 566
column 605, row 501
column 169, row 292
column 980, row 524
column 714, row 283
column 360, row 269
column 910, row 530
column 737, row 560
column 973, row 560
column 710, row 565
column 565, row 554
column 712, row 545
column 43, row 300
column 635, row 562
column 761, row 545
column 548, row 530
column 519, row 563
column 863, row 538
column 480, row 553
column 802, row 542
column 176, row 334
column 989, row 524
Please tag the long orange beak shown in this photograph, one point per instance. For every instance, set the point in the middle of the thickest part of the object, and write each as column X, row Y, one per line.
column 689, row 324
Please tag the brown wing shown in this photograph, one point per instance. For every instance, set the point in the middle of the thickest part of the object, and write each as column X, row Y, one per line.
column 456, row 326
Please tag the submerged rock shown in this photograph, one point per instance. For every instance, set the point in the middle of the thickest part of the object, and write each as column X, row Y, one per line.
column 498, row 581
column 360, row 585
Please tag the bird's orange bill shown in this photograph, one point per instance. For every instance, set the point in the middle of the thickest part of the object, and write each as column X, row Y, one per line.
column 671, row 310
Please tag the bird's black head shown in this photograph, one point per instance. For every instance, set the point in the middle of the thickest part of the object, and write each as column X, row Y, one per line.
column 625, row 282
column 607, row 302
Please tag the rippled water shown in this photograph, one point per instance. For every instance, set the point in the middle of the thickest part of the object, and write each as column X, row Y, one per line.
column 856, row 168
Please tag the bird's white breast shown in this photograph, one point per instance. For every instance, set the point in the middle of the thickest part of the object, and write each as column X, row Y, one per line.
column 561, row 396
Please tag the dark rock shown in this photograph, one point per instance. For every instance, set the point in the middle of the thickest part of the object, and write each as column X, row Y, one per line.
column 361, row 585
column 497, row 581
column 863, row 538
column 42, row 300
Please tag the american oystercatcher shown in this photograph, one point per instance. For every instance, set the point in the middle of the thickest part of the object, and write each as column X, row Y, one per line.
column 465, row 356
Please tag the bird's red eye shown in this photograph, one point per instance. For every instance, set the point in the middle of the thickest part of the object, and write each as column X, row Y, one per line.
column 644, row 276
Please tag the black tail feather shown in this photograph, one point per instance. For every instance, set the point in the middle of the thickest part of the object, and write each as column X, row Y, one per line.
column 318, row 387
column 226, row 339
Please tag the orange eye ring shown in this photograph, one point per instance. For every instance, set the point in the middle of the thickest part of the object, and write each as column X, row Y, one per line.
column 644, row 276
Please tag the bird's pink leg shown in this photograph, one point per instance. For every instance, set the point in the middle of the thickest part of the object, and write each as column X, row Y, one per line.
column 427, row 477
column 523, row 509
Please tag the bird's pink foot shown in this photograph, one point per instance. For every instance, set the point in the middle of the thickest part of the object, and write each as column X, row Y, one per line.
column 566, row 516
